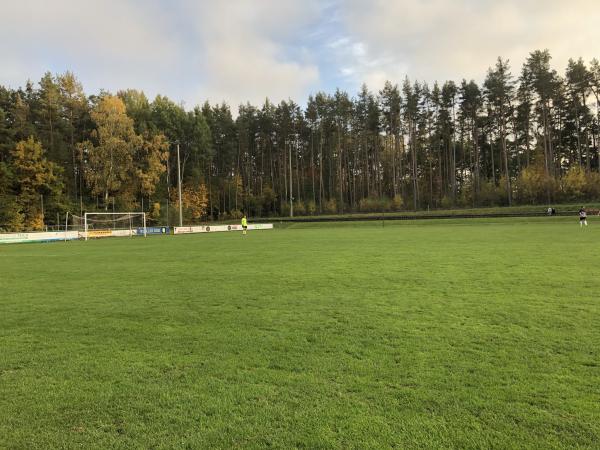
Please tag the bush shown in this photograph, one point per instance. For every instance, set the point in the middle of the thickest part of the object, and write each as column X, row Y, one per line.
column 254, row 205
column 11, row 218
column 375, row 204
column 330, row 206
column 489, row 194
column 465, row 197
column 154, row 213
column 299, row 208
column 35, row 221
column 311, row 207
column 397, row 203
column 368, row 204
column 447, row 202
column 593, row 185
column 574, row 183
column 502, row 192
column 578, row 185
column 268, row 199
column 531, row 185
column 236, row 214
column 385, row 204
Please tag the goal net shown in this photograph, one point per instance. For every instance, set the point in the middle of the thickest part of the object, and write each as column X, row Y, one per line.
column 109, row 224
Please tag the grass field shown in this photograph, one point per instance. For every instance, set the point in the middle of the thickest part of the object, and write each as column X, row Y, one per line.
column 444, row 334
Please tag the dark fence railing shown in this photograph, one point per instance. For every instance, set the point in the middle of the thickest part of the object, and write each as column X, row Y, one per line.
column 384, row 217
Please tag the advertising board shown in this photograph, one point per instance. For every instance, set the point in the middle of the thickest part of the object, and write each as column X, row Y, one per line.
column 14, row 238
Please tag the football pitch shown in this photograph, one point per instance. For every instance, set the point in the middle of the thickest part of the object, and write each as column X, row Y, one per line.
column 431, row 334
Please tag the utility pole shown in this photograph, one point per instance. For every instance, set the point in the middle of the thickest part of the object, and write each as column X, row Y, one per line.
column 42, row 200
column 168, row 188
column 179, row 187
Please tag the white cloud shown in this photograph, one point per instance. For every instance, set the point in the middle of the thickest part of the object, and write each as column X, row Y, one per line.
column 111, row 43
column 443, row 39
column 340, row 42
column 244, row 54
column 189, row 50
column 359, row 49
column 247, row 50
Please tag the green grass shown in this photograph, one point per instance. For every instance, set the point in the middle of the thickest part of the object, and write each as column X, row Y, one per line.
column 443, row 334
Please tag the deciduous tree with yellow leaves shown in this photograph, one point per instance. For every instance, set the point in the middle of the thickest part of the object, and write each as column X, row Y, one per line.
column 194, row 198
column 34, row 177
column 117, row 160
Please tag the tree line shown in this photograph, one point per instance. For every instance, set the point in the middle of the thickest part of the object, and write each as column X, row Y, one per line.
column 530, row 138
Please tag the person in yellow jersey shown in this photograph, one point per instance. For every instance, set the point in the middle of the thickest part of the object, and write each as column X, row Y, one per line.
column 244, row 224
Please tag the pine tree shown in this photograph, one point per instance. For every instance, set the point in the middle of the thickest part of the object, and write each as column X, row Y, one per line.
column 499, row 91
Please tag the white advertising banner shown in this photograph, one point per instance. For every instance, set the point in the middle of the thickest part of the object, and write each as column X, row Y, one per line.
column 260, row 226
column 13, row 238
column 93, row 234
column 220, row 228
column 187, row 230
column 121, row 233
column 7, row 238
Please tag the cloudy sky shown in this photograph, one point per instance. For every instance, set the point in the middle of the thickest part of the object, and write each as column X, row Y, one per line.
column 246, row 50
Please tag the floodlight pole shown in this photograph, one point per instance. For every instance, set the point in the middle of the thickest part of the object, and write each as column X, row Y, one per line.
column 179, row 187
column 66, row 226
column 168, row 190
column 42, row 200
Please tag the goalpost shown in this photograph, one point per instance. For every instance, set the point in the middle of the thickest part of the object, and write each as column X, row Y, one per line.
column 105, row 224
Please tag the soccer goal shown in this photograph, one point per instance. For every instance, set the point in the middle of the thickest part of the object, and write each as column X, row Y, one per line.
column 109, row 224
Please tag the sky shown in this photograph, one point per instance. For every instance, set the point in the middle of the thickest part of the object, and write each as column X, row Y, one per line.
column 241, row 51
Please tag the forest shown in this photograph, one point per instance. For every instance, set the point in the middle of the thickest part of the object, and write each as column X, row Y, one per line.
column 529, row 137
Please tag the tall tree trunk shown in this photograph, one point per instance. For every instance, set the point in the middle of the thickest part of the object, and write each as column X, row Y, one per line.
column 284, row 166
column 341, row 177
column 492, row 157
column 477, row 166
column 298, row 174
column 414, row 167
column 367, row 165
column 527, row 143
column 506, row 168
column 453, row 165
column 312, row 165
column 321, row 173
